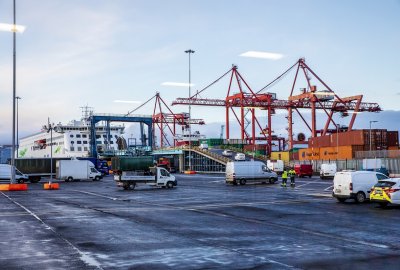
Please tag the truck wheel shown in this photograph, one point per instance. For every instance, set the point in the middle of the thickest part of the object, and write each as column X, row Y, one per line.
column 273, row 180
column 34, row 180
column 242, row 182
column 360, row 197
column 170, row 184
column 69, row 179
column 20, row 181
column 97, row 178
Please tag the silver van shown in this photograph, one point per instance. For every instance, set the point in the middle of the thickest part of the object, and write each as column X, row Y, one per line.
column 5, row 174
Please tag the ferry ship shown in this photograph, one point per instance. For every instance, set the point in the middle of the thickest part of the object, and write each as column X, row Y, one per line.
column 185, row 137
column 72, row 139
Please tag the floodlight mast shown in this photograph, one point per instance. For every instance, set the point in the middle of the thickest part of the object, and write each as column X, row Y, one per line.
column 190, row 51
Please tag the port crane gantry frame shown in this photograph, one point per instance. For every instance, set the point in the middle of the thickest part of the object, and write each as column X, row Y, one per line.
column 166, row 121
column 309, row 99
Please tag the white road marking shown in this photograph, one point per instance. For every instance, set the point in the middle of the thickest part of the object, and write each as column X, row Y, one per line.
column 329, row 188
column 217, row 181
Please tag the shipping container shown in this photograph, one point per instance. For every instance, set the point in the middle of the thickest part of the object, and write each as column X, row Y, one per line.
column 252, row 147
column 141, row 163
column 294, row 156
column 395, row 153
column 283, row 155
column 392, row 139
column 309, row 154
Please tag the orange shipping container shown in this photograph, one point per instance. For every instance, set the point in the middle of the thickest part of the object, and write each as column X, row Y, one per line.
column 309, row 154
column 333, row 153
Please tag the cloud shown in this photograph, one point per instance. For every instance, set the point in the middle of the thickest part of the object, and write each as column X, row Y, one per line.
column 177, row 84
column 264, row 55
column 128, row 101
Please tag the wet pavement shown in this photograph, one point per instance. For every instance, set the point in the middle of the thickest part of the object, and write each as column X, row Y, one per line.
column 201, row 224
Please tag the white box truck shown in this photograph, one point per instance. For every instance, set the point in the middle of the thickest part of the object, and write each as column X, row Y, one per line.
column 155, row 176
column 355, row 185
column 5, row 173
column 241, row 172
column 276, row 165
column 74, row 169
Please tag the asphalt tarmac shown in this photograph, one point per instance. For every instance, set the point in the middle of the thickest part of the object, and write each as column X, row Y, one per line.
column 201, row 224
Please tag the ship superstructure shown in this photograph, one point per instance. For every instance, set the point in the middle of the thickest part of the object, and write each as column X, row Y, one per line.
column 72, row 139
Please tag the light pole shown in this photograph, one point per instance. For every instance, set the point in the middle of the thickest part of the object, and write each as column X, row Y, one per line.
column 49, row 128
column 190, row 95
column 13, row 28
column 370, row 137
column 337, row 141
column 14, row 95
column 17, row 98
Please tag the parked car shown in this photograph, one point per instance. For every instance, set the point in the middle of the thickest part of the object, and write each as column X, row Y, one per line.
column 204, row 146
column 355, row 185
column 303, row 170
column 227, row 153
column 386, row 191
column 240, row 156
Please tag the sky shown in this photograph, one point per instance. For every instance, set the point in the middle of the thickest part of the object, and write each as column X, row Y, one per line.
column 93, row 52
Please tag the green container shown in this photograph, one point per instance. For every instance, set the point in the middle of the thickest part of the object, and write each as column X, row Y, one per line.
column 261, row 152
column 140, row 163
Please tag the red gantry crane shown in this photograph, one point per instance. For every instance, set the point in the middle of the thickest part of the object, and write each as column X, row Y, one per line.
column 165, row 121
column 240, row 96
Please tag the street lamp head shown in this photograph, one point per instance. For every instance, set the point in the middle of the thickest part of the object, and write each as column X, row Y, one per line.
column 17, row 97
column 189, row 51
column 12, row 28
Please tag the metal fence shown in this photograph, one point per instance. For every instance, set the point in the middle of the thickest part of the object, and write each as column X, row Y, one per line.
column 378, row 154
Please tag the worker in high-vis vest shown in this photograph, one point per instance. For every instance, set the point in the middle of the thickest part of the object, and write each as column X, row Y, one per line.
column 284, row 178
column 292, row 175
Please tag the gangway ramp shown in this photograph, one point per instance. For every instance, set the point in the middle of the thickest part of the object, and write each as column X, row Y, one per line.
column 204, row 161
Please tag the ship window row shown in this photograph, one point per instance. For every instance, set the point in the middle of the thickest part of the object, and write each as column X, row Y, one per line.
column 79, row 149
column 97, row 136
column 86, row 142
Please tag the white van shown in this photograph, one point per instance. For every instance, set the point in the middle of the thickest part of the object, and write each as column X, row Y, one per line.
column 276, row 165
column 5, row 173
column 248, row 171
column 204, row 146
column 355, row 184
column 240, row 156
column 327, row 170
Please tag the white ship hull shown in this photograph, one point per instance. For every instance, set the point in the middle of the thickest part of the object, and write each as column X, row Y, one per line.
column 73, row 140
